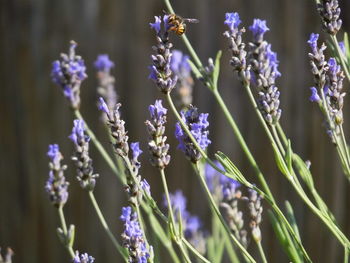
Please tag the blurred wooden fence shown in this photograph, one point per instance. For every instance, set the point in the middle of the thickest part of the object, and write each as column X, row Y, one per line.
column 33, row 114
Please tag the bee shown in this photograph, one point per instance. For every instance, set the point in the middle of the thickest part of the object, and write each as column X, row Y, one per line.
column 178, row 24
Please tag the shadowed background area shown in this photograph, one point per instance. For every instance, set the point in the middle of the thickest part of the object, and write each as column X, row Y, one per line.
column 33, row 114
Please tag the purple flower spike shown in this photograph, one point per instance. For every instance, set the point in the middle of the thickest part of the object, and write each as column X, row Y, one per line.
column 133, row 237
column 258, row 29
column 157, row 146
column 342, row 47
column 232, row 20
column 56, row 186
column 197, row 124
column 81, row 157
column 314, row 95
column 68, row 73
column 103, row 63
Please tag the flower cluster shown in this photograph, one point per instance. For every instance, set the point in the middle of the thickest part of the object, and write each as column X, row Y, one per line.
column 181, row 68
column 117, row 127
column 333, row 91
column 227, row 194
column 105, row 80
column 161, row 72
column 237, row 46
column 68, row 73
column 56, row 186
column 319, row 66
column 255, row 211
column 198, row 126
column 133, row 237
column 83, row 258
column 330, row 14
column 81, row 157
column 191, row 224
column 8, row 256
column 264, row 64
column 156, row 144
column 328, row 78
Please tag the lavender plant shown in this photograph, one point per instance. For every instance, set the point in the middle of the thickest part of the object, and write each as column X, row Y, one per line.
column 223, row 183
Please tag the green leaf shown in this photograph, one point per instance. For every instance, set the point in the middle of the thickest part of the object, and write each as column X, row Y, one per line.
column 231, row 170
column 71, row 235
column 347, row 47
column 216, row 71
column 291, row 219
column 158, row 230
column 280, row 162
column 289, row 154
column 303, row 171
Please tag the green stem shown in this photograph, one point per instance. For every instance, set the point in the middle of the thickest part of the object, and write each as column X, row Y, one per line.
column 104, row 224
column 165, row 186
column 261, row 251
column 219, row 215
column 194, row 251
column 65, row 231
column 340, row 56
column 346, row 255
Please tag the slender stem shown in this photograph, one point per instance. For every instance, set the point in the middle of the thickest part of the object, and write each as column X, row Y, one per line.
column 165, row 186
column 65, row 231
column 275, row 134
column 104, row 224
column 99, row 147
column 261, row 251
column 194, row 251
column 340, row 56
column 346, row 255
column 219, row 215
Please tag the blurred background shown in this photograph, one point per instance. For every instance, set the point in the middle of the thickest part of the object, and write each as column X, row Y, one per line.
column 33, row 114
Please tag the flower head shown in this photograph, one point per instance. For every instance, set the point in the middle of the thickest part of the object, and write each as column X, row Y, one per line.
column 157, row 146
column 81, row 157
column 56, row 186
column 313, row 41
column 258, row 28
column 160, row 71
column 68, row 73
column 198, row 126
column 103, row 63
column 82, row 258
column 232, row 20
column 330, row 13
column 133, row 237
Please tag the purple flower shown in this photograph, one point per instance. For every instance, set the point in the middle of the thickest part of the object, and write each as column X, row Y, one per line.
column 273, row 61
column 156, row 25
column 330, row 13
column 82, row 258
column 157, row 111
column 232, row 20
column 178, row 203
column 56, row 185
column 103, row 106
column 103, row 63
column 78, row 131
column 197, row 124
column 314, row 95
column 146, row 187
column 258, row 29
column 136, row 151
column 68, row 73
column 133, row 237
column 313, row 41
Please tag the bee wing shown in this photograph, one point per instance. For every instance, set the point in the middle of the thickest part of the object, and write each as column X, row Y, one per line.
column 191, row 20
